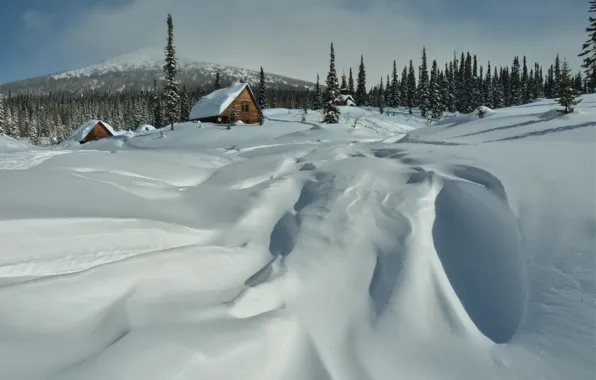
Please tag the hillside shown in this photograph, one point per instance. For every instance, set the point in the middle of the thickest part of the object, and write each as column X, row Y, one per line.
column 379, row 248
column 137, row 70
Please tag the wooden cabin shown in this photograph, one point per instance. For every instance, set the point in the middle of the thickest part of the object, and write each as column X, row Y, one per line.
column 91, row 131
column 345, row 100
column 217, row 106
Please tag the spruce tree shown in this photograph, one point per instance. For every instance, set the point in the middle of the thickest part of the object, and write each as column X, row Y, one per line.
column 330, row 110
column 184, row 105
column 3, row 124
column 262, row 91
column 403, row 88
column 569, row 96
column 171, row 96
column 498, row 97
column 394, row 98
column 423, row 86
column 589, row 51
column 449, row 97
column 360, row 96
column 156, row 104
column 217, row 85
column 435, row 94
column 381, row 97
column 525, row 84
column 515, row 85
column 351, row 87
column 488, row 87
column 411, row 88
column 317, row 103
column 557, row 77
column 388, row 92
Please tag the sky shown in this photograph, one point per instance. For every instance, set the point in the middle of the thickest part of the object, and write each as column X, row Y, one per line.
column 288, row 37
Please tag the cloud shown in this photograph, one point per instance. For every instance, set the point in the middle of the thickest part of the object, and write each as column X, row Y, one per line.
column 292, row 38
column 34, row 19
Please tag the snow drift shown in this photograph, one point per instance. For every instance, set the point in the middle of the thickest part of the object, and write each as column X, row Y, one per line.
column 298, row 251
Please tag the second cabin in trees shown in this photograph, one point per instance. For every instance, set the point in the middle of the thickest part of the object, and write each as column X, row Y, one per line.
column 217, row 106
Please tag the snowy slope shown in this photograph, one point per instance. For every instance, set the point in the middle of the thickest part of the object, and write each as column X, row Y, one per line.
column 302, row 251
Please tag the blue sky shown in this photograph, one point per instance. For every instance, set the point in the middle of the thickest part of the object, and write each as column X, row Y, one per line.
column 285, row 36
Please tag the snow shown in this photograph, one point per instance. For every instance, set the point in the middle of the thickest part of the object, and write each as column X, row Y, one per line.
column 144, row 128
column 216, row 102
column 461, row 250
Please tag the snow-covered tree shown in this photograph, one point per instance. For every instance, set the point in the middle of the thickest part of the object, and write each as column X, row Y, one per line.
column 184, row 105
column 403, row 88
column 589, row 51
column 394, row 88
column 330, row 110
column 217, row 83
column 232, row 117
column 3, row 124
column 515, row 84
column 171, row 95
column 360, row 96
column 317, row 103
column 156, row 106
column 434, row 94
column 411, row 88
column 262, row 90
column 423, row 87
column 351, row 87
column 568, row 95
column 381, row 97
column 488, row 87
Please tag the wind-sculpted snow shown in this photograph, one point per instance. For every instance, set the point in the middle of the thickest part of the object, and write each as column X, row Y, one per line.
column 286, row 251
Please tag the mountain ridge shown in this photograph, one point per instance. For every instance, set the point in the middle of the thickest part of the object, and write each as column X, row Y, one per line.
column 137, row 70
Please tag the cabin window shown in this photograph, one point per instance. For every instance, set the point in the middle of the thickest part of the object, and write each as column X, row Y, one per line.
column 244, row 107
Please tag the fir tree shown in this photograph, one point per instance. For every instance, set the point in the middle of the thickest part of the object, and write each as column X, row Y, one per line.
column 317, row 103
column 411, row 88
column 488, row 87
column 449, row 96
column 569, row 96
column 388, row 93
column 515, row 85
column 423, row 90
column 330, row 110
column 498, row 91
column 394, row 93
column 263, row 91
column 403, row 88
column 589, row 51
column 232, row 118
column 360, row 96
column 435, row 94
column 3, row 124
column 184, row 105
column 525, row 84
column 171, row 96
column 217, row 85
column 156, row 104
column 274, row 100
column 557, row 77
column 381, row 97
column 351, row 87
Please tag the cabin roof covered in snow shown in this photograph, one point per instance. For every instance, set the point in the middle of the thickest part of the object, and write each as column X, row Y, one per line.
column 145, row 128
column 216, row 102
column 84, row 130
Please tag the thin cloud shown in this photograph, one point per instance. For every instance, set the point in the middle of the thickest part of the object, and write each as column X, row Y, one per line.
column 34, row 19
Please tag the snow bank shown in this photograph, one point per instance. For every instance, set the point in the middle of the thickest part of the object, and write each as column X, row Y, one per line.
column 7, row 143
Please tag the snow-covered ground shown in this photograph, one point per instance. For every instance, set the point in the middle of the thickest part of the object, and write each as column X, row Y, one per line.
column 299, row 251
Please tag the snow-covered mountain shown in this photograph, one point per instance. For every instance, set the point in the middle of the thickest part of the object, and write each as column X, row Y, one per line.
column 138, row 69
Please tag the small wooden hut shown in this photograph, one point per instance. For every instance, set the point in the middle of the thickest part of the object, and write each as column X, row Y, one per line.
column 216, row 107
column 91, row 131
